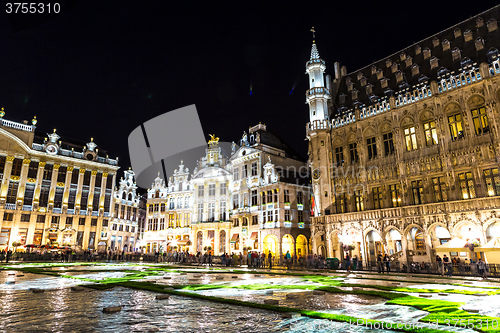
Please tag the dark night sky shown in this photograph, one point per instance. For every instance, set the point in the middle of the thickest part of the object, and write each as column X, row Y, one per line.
column 104, row 67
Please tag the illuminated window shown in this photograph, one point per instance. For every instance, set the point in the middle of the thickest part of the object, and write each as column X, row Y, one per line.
column 419, row 241
column 395, row 190
column 410, row 138
column 439, row 188
column 377, row 198
column 418, row 192
column 492, row 180
column 456, row 128
column 372, row 148
column 480, row 120
column 358, row 198
column 467, row 185
column 341, row 203
column 430, row 133
column 254, row 169
column 388, row 144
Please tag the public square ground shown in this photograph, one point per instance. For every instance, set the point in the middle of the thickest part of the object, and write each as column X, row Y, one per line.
column 141, row 297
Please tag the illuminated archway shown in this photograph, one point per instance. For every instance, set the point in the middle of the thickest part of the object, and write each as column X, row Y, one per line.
column 301, row 246
column 270, row 245
column 287, row 244
column 394, row 241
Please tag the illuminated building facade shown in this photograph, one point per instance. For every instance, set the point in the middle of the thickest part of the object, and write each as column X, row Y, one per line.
column 258, row 199
column 121, row 234
column 405, row 152
column 53, row 190
column 270, row 193
column 168, row 214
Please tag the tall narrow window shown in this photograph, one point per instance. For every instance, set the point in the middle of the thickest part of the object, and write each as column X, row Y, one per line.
column 353, row 151
column 480, row 120
column 236, row 173
column 12, row 192
column 388, row 144
column 439, row 187
column 300, row 198
column 492, row 180
column 418, row 191
column 287, row 196
column 339, row 156
column 211, row 190
column 358, row 198
column 395, row 190
column 211, row 212
column 17, row 166
column 410, row 138
column 244, row 171
column 253, row 196
column 341, row 203
column 33, row 170
column 430, row 133
column 200, row 212
column 456, row 128
column 254, row 169
column 223, row 189
column 467, row 185
column 372, row 148
column 222, row 211
column 377, row 197
column 201, row 191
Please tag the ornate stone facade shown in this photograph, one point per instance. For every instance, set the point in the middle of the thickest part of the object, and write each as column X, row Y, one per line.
column 408, row 155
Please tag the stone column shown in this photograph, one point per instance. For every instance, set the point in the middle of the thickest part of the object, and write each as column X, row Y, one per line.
column 67, row 186
column 53, row 183
column 79, row 191
column 6, row 178
column 38, row 186
column 22, row 182
column 91, row 192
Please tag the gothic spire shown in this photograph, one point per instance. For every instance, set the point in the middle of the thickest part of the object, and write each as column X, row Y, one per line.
column 314, row 49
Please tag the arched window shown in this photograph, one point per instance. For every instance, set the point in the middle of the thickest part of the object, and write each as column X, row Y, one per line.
column 124, row 195
column 130, row 197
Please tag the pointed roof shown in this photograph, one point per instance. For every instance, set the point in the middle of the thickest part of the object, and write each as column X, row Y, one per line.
column 314, row 52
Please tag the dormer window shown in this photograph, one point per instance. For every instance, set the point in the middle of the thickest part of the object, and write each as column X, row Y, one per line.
column 456, row 54
column 384, row 83
column 350, row 85
column 374, row 70
column 467, row 35
column 492, row 25
column 479, row 44
column 435, row 42
column 418, row 50
column 415, row 70
column 434, row 62
column 457, row 33
column 427, row 53
column 446, row 45
column 342, row 98
column 388, row 63
column 380, row 73
column 402, row 56
column 355, row 94
column 369, row 89
column 399, row 76
column 408, row 61
column 362, row 81
column 394, row 67
column 479, row 22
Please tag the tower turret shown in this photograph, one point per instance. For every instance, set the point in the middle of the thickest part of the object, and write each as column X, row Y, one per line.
column 318, row 95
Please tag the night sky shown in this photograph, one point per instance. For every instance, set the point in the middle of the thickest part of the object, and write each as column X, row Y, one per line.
column 101, row 68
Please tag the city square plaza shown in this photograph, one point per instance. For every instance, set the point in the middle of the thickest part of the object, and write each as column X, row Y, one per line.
column 168, row 297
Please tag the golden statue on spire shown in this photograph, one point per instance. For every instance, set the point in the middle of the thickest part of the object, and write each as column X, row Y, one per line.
column 213, row 140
